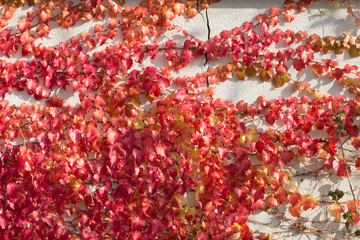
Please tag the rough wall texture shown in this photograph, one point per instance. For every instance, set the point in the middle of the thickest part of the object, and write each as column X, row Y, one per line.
column 226, row 15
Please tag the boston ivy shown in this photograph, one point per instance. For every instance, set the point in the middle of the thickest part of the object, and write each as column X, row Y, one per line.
column 119, row 170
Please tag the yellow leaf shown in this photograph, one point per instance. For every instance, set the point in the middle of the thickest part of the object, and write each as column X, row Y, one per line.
column 251, row 134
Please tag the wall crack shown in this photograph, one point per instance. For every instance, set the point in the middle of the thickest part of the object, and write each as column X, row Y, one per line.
column 206, row 20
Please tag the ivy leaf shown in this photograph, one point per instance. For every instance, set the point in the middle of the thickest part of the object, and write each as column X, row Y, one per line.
column 289, row 15
column 240, row 74
column 335, row 211
column 278, row 81
column 353, row 52
column 23, row 25
column 309, row 202
column 250, row 71
column 42, row 29
column 347, row 224
column 298, row 64
column 339, row 167
column 294, row 198
column 274, row 11
column 286, row 156
column 295, row 210
column 318, row 69
column 265, row 75
column 352, row 208
column 12, row 189
column 357, row 163
column 3, row 222
column 112, row 136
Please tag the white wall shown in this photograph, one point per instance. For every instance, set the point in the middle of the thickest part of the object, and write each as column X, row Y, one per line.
column 226, row 15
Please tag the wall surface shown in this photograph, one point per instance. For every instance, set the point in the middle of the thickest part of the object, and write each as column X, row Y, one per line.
column 226, row 15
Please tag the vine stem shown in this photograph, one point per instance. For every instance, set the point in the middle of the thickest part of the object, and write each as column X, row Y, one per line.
column 337, row 202
column 348, row 178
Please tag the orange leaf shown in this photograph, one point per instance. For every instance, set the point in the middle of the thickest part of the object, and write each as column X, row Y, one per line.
column 335, row 211
column 271, row 201
column 309, row 202
column 351, row 206
column 357, row 22
column 318, row 69
column 295, row 210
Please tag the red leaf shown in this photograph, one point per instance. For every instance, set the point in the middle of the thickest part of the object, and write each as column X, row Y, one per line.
column 3, row 222
column 26, row 38
column 42, row 29
column 280, row 195
column 156, row 226
column 98, row 28
column 286, row 156
column 258, row 204
column 355, row 141
column 330, row 147
column 247, row 25
column 181, row 94
column 90, row 43
column 339, row 167
column 202, row 235
column 23, row 25
column 270, row 118
column 357, row 163
column 294, row 198
column 274, row 11
column 298, row 64
column 84, row 35
column 112, row 136
column 179, row 8
column 301, row 6
column 137, row 223
column 74, row 135
column 289, row 15
column 12, row 189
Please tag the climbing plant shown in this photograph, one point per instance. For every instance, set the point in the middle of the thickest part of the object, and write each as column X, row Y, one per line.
column 111, row 168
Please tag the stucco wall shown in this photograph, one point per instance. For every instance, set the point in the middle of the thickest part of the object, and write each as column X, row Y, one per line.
column 226, row 15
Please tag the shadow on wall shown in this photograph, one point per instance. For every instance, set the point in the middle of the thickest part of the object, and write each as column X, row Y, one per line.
column 225, row 15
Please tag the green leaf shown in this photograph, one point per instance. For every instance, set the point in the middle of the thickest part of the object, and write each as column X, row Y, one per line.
column 347, row 224
column 278, row 81
column 353, row 52
column 286, row 77
column 265, row 75
column 250, row 72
